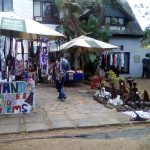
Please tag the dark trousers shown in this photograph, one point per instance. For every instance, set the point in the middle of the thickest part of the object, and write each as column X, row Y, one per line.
column 145, row 72
column 60, row 89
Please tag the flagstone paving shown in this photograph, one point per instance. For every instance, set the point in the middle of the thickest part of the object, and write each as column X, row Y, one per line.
column 79, row 110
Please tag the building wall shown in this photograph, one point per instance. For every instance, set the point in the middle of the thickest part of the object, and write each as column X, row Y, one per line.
column 132, row 45
column 23, row 8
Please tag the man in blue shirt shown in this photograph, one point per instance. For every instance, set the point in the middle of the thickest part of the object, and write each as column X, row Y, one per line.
column 62, row 67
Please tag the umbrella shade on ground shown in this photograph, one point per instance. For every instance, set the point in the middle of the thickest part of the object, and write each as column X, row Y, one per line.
column 87, row 42
column 13, row 25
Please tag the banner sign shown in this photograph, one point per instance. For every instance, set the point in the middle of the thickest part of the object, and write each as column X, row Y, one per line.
column 17, row 97
column 13, row 24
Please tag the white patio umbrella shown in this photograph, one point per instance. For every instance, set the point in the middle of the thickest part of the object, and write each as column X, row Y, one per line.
column 14, row 25
column 87, row 42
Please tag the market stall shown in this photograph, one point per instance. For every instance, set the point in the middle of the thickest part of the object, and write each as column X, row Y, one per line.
column 17, row 85
column 82, row 48
column 74, row 76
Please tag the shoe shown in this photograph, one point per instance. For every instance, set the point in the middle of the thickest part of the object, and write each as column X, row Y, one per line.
column 62, row 99
column 65, row 97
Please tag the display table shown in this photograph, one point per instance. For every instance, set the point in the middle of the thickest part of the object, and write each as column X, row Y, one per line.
column 74, row 77
column 17, row 97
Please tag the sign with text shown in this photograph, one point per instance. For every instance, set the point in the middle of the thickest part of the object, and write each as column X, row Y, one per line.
column 17, row 97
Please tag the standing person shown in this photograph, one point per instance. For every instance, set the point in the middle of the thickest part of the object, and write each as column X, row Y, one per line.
column 146, row 66
column 62, row 67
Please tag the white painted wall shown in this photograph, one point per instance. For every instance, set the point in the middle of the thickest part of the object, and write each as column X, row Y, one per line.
column 132, row 45
column 23, row 8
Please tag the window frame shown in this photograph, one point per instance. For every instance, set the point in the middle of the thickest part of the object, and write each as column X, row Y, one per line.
column 3, row 8
column 116, row 22
column 48, row 18
column 34, row 9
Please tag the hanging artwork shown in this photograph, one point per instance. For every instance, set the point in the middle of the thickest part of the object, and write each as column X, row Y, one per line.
column 43, row 60
column 19, row 67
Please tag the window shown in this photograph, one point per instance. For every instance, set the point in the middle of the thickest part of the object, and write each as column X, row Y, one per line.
column 114, row 21
column 121, row 21
column 45, row 11
column 107, row 20
column 37, row 9
column 6, row 5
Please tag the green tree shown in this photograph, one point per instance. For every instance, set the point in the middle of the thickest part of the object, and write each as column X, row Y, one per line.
column 70, row 17
column 146, row 38
column 91, row 27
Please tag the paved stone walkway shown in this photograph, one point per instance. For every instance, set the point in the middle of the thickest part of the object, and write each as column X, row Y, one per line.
column 79, row 110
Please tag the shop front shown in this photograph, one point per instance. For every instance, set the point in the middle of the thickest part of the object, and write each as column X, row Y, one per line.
column 18, row 61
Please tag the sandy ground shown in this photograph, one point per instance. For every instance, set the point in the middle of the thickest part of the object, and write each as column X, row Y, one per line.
column 50, row 140
column 79, row 144
column 143, row 84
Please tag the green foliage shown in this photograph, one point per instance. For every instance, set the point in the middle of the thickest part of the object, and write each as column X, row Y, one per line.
column 88, row 76
column 114, row 80
column 59, row 3
column 146, row 39
column 92, row 29
column 103, row 82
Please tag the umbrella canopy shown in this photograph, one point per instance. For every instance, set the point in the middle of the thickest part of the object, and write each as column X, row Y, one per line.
column 87, row 42
column 14, row 25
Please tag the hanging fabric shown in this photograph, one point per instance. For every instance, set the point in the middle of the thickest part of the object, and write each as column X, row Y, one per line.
column 0, row 63
column 19, row 67
column 9, row 56
column 114, row 59
column 105, row 58
column 111, row 60
column 117, row 59
column 108, row 60
column 31, row 50
column 122, row 59
column 103, row 61
column 43, row 60
column 4, row 51
column 22, row 50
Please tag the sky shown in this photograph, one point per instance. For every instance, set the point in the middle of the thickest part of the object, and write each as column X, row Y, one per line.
column 141, row 9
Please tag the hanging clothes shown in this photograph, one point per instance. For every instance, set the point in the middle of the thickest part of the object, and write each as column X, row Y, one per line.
column 114, row 59
column 19, row 67
column 105, row 58
column 9, row 55
column 4, row 51
column 22, row 49
column 108, row 60
column 103, row 64
column 43, row 61
column 122, row 59
column 111, row 59
column 117, row 59
column 31, row 50
column 0, row 64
